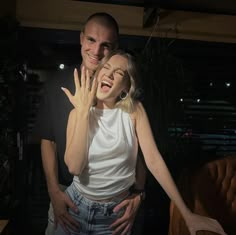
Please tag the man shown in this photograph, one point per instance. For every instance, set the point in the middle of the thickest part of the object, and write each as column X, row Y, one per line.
column 98, row 38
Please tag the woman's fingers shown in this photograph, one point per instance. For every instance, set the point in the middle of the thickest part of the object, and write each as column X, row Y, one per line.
column 94, row 86
column 83, row 77
column 87, row 80
column 85, row 91
column 67, row 92
column 76, row 79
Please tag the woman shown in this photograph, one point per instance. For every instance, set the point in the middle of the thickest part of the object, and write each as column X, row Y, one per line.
column 103, row 133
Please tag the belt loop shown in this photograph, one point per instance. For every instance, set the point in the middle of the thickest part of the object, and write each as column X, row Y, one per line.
column 105, row 211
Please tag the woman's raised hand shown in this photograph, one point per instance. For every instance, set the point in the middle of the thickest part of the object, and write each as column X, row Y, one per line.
column 84, row 94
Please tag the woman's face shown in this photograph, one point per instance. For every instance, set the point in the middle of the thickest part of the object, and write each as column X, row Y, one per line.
column 112, row 79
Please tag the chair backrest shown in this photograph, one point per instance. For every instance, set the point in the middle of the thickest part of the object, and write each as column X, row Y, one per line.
column 215, row 191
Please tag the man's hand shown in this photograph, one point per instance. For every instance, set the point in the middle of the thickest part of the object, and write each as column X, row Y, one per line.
column 61, row 202
column 125, row 223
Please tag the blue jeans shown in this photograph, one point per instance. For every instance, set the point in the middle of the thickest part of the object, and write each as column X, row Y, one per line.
column 94, row 217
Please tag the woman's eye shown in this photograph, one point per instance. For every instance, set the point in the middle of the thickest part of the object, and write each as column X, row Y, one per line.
column 120, row 73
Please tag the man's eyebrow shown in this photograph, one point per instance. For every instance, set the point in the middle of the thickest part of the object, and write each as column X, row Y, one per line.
column 90, row 37
column 109, row 44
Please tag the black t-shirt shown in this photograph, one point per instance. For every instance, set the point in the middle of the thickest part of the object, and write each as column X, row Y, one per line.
column 53, row 115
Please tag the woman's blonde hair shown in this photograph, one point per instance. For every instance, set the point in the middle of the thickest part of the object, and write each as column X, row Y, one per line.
column 128, row 103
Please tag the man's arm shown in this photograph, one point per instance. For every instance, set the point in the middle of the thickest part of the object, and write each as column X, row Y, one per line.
column 60, row 201
column 49, row 160
column 141, row 173
column 131, row 203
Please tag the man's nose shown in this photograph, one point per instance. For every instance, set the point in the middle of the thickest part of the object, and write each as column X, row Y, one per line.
column 97, row 50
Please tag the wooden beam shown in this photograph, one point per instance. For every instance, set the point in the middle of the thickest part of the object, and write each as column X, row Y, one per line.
column 70, row 15
column 195, row 25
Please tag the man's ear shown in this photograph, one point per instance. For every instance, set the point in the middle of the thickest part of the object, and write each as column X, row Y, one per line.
column 81, row 37
column 116, row 45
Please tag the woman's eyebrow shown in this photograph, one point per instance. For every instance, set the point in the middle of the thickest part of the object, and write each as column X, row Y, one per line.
column 107, row 64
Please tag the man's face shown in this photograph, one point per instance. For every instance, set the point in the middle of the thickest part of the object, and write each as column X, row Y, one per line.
column 96, row 42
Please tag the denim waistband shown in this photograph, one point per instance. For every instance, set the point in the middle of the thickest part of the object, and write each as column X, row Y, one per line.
column 90, row 202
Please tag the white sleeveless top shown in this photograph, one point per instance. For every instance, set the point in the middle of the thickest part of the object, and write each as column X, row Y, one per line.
column 112, row 155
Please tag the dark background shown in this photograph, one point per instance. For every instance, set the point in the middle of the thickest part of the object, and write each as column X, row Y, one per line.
column 188, row 89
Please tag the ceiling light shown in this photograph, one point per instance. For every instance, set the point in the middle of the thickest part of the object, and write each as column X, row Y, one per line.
column 61, row 66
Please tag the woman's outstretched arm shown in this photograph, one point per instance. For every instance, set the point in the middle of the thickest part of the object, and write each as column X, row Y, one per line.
column 159, row 170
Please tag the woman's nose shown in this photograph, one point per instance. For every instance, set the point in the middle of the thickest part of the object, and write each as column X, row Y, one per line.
column 109, row 74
